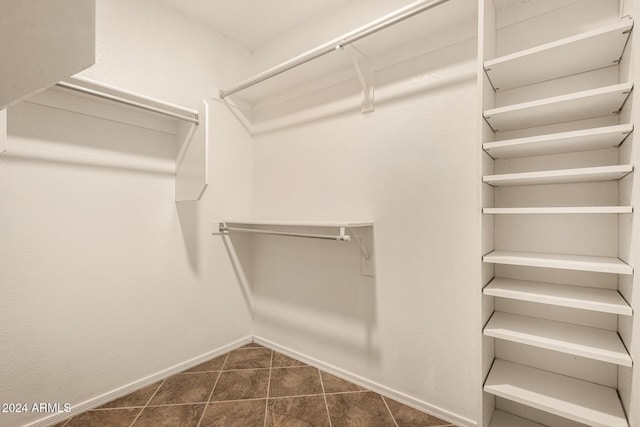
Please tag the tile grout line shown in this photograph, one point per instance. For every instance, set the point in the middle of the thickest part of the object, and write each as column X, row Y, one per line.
column 206, row 405
column 147, row 404
column 388, row 409
column 148, row 401
column 324, row 396
column 266, row 403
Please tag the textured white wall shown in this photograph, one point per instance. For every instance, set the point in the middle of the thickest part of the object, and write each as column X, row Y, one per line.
column 412, row 167
column 104, row 279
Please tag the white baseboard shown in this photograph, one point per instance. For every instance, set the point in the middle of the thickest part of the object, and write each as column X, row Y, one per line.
column 356, row 379
column 136, row 385
column 373, row 386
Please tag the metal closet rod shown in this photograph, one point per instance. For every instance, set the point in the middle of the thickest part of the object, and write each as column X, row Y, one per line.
column 337, row 44
column 342, row 237
column 128, row 102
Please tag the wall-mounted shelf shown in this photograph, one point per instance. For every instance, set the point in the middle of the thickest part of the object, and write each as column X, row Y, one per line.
column 90, row 98
column 564, row 142
column 559, row 261
column 560, row 210
column 332, row 224
column 505, row 419
column 586, row 104
column 581, row 297
column 583, row 52
column 562, row 176
column 361, row 231
column 592, row 343
column 577, row 400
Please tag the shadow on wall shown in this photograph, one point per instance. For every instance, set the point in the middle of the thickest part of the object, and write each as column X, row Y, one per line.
column 434, row 71
column 305, row 289
column 48, row 135
column 188, row 216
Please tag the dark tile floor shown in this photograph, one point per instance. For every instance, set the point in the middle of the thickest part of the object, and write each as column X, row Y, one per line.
column 253, row 386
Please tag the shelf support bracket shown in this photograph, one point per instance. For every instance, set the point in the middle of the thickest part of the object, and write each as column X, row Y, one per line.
column 364, row 71
column 358, row 240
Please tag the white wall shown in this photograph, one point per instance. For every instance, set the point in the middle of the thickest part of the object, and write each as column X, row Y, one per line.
column 105, row 279
column 412, row 167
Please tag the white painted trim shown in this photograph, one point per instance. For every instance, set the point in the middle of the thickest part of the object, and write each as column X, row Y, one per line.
column 373, row 386
column 136, row 385
column 346, row 375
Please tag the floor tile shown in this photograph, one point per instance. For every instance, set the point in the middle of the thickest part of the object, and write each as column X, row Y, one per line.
column 358, row 409
column 282, row 361
column 136, row 399
column 249, row 358
column 185, row 388
column 170, row 416
column 333, row 384
column 294, row 382
column 106, row 418
column 237, row 385
column 297, row 411
column 209, row 366
column 244, row 413
column 407, row 416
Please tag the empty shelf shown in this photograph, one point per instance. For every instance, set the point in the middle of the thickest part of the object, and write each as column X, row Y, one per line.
column 562, row 176
column 564, row 108
column 560, row 210
column 577, row 400
column 562, row 262
column 581, row 297
column 504, row 419
column 346, row 224
column 583, row 52
column 564, row 142
column 583, row 341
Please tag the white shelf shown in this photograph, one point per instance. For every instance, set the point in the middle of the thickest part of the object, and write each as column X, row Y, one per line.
column 286, row 223
column 560, row 210
column 587, row 104
column 564, row 142
column 562, row 262
column 577, row 400
column 92, row 98
column 562, row 176
column 504, row 419
column 592, row 343
column 581, row 297
column 583, row 52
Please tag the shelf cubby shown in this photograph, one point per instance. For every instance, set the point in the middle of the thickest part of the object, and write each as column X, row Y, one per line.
column 577, row 400
column 560, row 261
column 505, row 419
column 561, row 176
column 583, row 341
column 602, row 101
column 571, row 296
column 576, row 54
column 560, row 210
column 563, row 142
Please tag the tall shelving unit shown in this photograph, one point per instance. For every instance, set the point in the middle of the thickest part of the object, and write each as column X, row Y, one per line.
column 558, row 170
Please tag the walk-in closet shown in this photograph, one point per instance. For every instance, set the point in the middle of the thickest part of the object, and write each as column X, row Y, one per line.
column 328, row 213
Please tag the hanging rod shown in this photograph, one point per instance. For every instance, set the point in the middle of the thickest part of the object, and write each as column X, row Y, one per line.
column 337, row 44
column 342, row 237
column 130, row 102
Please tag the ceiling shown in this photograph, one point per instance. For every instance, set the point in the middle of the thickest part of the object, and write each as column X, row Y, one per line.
column 252, row 23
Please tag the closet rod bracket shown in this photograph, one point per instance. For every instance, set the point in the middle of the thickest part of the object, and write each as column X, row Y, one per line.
column 364, row 71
